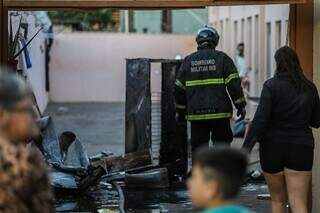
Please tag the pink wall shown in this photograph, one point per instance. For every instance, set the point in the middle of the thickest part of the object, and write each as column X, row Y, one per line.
column 90, row 67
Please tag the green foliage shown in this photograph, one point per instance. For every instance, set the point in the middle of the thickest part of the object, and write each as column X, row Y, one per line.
column 86, row 18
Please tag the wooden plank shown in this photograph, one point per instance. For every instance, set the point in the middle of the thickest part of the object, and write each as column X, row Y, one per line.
column 135, row 3
column 292, row 26
column 1, row 30
column 5, row 37
column 102, row 3
column 3, row 34
column 316, row 79
column 255, row 2
column 301, row 39
column 128, row 161
column 301, row 25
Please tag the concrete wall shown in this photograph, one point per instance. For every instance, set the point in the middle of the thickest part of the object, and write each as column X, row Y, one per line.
column 91, row 66
column 248, row 24
column 36, row 74
column 263, row 29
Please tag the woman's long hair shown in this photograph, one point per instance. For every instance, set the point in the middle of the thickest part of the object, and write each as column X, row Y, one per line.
column 287, row 61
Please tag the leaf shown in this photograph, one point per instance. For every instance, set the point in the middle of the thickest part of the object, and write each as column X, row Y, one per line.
column 26, row 45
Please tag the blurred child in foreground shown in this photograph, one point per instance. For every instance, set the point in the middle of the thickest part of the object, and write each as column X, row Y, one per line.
column 24, row 184
column 216, row 178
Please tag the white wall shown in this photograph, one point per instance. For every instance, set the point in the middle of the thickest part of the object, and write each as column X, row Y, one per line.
column 36, row 73
column 248, row 24
column 90, row 67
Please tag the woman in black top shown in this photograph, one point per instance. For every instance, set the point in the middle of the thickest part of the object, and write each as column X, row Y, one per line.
column 288, row 108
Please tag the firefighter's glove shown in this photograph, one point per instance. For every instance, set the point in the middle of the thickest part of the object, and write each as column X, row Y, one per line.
column 181, row 116
column 241, row 113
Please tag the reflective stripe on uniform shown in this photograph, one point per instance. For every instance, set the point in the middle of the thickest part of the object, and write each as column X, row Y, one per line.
column 240, row 100
column 231, row 77
column 179, row 84
column 179, row 106
column 209, row 116
column 205, row 82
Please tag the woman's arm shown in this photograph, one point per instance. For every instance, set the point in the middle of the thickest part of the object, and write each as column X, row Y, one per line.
column 260, row 120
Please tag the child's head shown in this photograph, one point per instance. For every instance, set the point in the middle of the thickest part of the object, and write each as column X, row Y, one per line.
column 17, row 120
column 217, row 175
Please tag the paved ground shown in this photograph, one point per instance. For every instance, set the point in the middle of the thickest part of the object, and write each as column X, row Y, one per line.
column 100, row 127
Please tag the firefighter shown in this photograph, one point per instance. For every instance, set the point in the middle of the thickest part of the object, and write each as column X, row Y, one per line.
column 207, row 84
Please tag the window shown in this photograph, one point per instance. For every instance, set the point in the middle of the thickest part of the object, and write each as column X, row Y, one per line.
column 242, row 30
column 221, row 35
column 235, row 37
column 248, row 47
column 256, row 55
column 269, row 62
column 227, row 45
column 278, row 35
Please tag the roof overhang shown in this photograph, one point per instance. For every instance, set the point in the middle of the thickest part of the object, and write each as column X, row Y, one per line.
column 143, row 4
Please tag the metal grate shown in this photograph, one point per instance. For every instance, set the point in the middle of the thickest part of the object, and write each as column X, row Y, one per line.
column 156, row 123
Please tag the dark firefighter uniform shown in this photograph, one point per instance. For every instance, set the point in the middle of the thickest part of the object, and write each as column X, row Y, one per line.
column 204, row 84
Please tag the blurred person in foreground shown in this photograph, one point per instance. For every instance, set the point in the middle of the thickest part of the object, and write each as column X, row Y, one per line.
column 216, row 178
column 24, row 184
